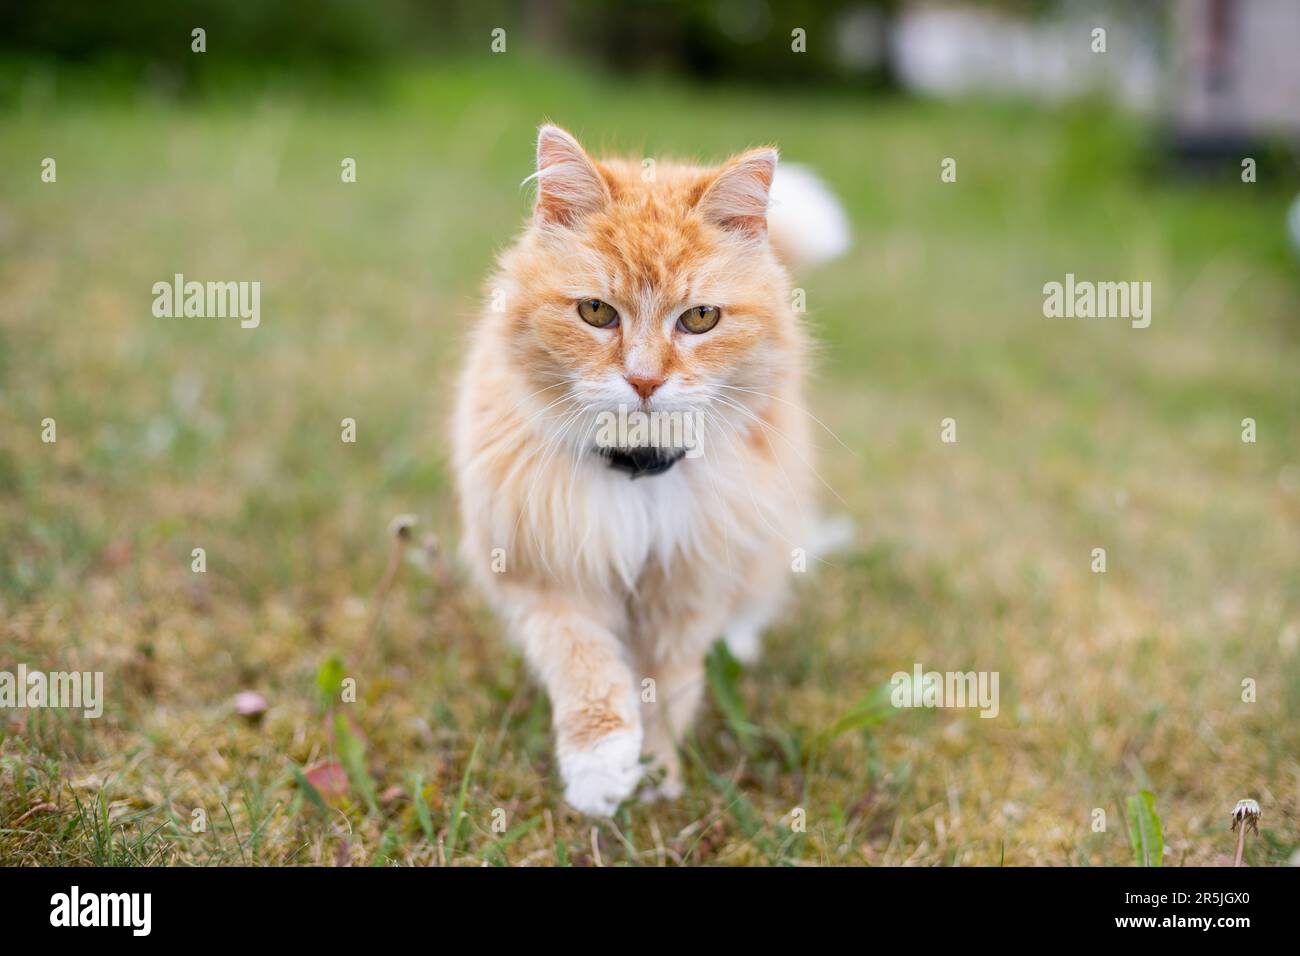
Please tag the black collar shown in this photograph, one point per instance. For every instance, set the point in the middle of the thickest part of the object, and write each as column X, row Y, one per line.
column 639, row 462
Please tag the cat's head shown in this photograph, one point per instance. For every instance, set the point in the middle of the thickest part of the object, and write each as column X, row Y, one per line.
column 648, row 286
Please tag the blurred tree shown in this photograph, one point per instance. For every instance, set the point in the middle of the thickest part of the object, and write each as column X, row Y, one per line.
column 747, row 40
column 752, row 40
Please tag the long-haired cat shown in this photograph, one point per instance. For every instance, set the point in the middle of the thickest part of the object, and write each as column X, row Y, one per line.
column 631, row 450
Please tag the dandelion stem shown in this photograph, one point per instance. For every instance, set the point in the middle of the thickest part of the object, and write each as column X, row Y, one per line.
column 400, row 536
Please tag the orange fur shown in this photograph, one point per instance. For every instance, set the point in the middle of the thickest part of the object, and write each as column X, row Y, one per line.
column 608, row 581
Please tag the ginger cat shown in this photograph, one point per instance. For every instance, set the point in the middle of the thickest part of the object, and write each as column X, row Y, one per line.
column 617, row 552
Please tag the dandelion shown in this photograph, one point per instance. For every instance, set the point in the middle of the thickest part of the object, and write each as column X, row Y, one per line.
column 1245, row 815
column 401, row 525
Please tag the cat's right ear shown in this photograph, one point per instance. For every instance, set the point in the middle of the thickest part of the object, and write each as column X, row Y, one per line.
column 569, row 186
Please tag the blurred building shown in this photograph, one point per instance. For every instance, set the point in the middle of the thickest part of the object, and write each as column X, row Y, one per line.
column 962, row 49
column 1220, row 76
column 1236, row 68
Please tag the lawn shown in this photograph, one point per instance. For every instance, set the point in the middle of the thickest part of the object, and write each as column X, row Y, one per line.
column 1072, row 434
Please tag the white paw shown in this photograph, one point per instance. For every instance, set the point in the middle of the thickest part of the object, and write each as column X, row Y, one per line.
column 598, row 778
column 666, row 790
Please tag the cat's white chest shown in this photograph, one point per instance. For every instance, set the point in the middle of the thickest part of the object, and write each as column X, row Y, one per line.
column 636, row 521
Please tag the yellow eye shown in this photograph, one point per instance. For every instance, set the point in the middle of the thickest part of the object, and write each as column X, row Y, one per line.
column 600, row 314
column 699, row 319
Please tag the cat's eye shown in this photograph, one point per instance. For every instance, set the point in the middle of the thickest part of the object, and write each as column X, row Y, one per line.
column 600, row 314
column 699, row 319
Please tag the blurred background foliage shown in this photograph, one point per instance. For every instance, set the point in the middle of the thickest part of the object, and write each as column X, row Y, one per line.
column 731, row 38
column 1220, row 75
column 743, row 40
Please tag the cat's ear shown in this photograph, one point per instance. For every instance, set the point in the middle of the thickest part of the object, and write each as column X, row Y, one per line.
column 569, row 186
column 737, row 197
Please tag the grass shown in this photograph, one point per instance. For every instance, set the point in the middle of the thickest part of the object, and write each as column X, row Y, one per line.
column 186, row 433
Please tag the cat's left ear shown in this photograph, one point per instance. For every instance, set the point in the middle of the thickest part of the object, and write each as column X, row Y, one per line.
column 737, row 197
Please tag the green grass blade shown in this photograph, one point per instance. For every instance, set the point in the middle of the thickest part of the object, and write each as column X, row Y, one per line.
column 1144, row 832
column 453, row 824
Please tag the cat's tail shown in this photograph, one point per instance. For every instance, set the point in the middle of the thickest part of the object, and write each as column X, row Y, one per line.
column 805, row 222
column 743, row 634
column 832, row 535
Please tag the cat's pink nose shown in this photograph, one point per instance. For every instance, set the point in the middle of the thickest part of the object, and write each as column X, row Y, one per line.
column 644, row 386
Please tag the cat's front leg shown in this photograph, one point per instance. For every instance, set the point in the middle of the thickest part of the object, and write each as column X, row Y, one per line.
column 679, row 685
column 597, row 724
